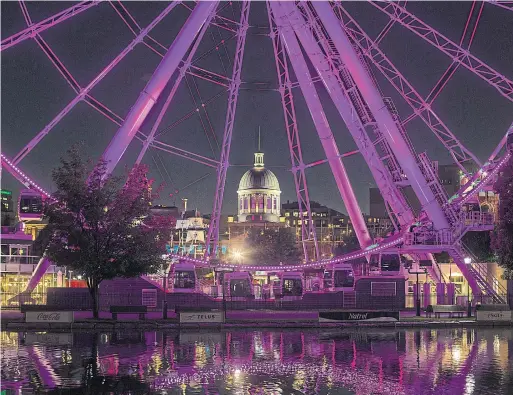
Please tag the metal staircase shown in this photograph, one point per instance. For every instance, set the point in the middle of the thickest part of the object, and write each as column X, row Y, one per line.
column 437, row 189
column 479, row 274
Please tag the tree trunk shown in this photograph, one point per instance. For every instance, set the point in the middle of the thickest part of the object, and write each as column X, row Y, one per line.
column 93, row 290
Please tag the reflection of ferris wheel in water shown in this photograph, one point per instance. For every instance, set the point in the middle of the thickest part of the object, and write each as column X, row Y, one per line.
column 344, row 58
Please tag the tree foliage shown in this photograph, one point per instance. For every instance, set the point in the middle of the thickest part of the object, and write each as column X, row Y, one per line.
column 273, row 246
column 479, row 244
column 100, row 227
column 502, row 240
column 348, row 244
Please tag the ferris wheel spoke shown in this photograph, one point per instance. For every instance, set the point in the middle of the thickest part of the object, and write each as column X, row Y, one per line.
column 189, row 114
column 466, row 41
column 186, row 64
column 233, row 93
column 308, row 231
column 184, row 153
column 97, row 105
column 195, row 96
column 370, row 49
column 453, row 50
column 507, row 5
column 322, row 127
column 85, row 91
column 135, row 28
column 54, row 20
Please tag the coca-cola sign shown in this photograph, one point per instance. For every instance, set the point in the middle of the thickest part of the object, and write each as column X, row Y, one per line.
column 49, row 316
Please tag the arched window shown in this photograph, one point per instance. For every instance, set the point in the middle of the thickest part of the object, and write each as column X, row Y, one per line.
column 252, row 203
column 269, row 203
column 245, row 202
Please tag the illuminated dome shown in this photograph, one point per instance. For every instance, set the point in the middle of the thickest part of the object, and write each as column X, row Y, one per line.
column 259, row 178
column 259, row 194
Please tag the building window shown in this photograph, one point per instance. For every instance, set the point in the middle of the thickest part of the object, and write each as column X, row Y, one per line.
column 295, row 213
column 245, row 202
column 260, row 199
column 269, row 203
column 275, row 203
column 287, row 214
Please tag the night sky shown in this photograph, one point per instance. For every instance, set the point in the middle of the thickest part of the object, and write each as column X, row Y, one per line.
column 33, row 92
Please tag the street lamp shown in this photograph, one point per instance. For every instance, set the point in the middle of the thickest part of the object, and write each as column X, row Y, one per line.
column 417, row 301
column 468, row 261
column 238, row 255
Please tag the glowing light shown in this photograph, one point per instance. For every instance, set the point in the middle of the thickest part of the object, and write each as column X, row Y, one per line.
column 467, row 260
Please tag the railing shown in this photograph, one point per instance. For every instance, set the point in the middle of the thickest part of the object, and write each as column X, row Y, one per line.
column 429, row 237
column 21, row 264
column 20, row 259
column 460, row 300
column 477, row 219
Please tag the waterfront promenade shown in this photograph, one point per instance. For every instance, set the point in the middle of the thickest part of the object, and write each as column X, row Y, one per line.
column 14, row 319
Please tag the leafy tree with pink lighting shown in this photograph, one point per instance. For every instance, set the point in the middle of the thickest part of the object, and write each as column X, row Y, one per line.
column 502, row 240
column 273, row 246
column 101, row 226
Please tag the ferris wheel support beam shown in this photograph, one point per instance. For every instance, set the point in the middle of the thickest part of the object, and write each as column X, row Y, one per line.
column 458, row 151
column 150, row 139
column 308, row 231
column 85, row 91
column 150, row 94
column 453, row 50
column 334, row 87
column 383, row 117
column 39, row 27
column 321, row 125
column 233, row 94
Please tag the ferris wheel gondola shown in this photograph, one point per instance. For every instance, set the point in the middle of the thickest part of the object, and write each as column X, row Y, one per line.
column 30, row 205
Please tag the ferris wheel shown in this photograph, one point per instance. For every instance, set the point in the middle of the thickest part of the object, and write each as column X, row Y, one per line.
column 315, row 45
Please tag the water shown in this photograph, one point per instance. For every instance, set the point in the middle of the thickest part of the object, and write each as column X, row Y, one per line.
column 373, row 361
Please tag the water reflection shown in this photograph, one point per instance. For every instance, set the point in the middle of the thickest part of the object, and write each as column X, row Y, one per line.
column 377, row 361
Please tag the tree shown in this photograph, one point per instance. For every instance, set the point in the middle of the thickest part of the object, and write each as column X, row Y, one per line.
column 502, row 240
column 273, row 246
column 479, row 244
column 101, row 227
column 348, row 244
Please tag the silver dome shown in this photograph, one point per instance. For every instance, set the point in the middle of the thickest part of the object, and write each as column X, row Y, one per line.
column 259, row 178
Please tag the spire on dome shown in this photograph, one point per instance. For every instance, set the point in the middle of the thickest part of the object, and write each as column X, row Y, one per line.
column 259, row 155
